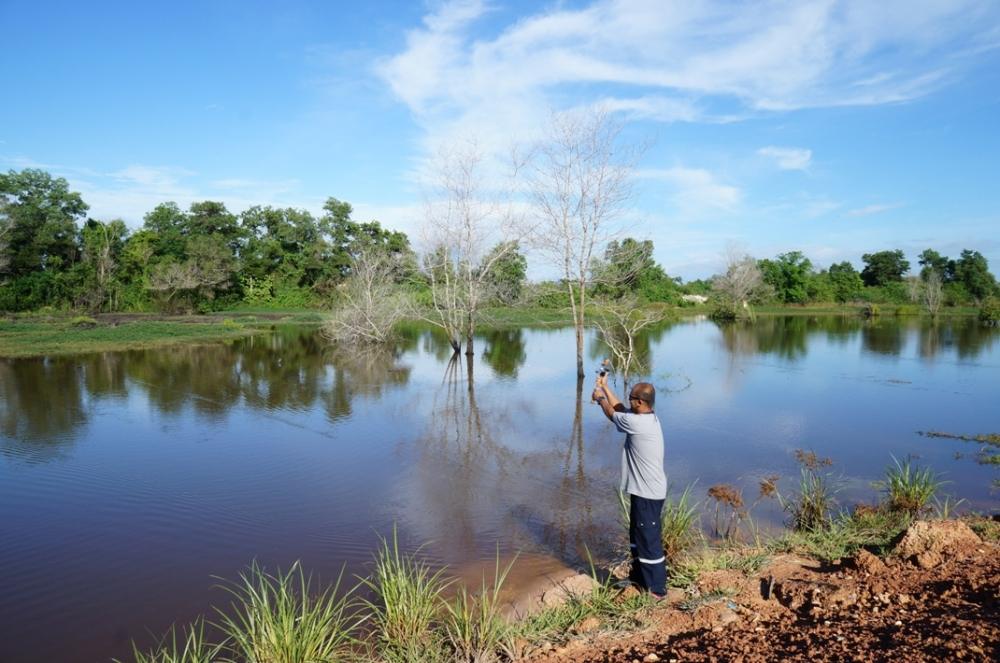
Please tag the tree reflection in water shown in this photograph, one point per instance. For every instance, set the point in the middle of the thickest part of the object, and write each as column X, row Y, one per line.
column 42, row 404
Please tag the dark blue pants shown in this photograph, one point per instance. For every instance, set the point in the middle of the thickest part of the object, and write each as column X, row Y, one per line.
column 648, row 564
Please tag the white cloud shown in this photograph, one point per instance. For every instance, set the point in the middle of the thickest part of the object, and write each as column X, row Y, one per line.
column 677, row 61
column 787, row 158
column 868, row 210
column 696, row 190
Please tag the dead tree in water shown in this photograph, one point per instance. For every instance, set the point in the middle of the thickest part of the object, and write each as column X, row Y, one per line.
column 469, row 228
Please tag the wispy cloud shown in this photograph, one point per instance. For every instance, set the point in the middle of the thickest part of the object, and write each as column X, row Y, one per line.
column 677, row 61
column 696, row 190
column 787, row 158
column 868, row 210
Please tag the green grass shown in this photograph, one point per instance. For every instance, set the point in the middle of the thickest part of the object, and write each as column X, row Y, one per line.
column 190, row 647
column 27, row 339
column 680, row 523
column 810, row 508
column 748, row 561
column 473, row 626
column 873, row 528
column 406, row 606
column 277, row 619
column 908, row 487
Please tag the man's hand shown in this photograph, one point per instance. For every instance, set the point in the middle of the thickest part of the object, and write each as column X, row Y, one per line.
column 598, row 393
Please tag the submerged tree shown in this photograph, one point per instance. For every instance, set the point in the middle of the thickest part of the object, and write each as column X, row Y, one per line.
column 620, row 324
column 580, row 179
column 371, row 301
column 742, row 282
column 472, row 231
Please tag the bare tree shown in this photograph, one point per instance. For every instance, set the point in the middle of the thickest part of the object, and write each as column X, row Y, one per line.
column 470, row 228
column 914, row 288
column 580, row 180
column 371, row 301
column 740, row 284
column 933, row 293
column 620, row 324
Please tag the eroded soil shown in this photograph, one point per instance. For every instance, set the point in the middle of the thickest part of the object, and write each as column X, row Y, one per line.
column 936, row 599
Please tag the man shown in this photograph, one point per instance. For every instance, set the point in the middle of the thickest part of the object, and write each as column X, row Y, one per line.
column 642, row 478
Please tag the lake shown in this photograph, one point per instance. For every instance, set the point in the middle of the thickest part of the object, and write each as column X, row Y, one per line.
column 131, row 481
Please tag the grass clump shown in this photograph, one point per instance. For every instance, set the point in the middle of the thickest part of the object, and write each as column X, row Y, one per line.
column 190, row 647
column 83, row 322
column 875, row 528
column 909, row 488
column 986, row 527
column 407, row 602
column 474, row 627
column 275, row 620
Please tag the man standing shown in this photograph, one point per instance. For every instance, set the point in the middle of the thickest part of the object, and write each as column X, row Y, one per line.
column 642, row 478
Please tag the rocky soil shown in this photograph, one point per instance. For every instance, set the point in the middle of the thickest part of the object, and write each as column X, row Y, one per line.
column 936, row 598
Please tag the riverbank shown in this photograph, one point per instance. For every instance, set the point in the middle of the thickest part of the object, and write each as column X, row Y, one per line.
column 38, row 334
column 44, row 335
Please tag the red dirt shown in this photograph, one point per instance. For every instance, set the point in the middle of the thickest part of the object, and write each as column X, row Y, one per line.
column 864, row 609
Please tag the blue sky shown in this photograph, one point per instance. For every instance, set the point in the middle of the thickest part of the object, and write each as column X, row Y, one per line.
column 835, row 128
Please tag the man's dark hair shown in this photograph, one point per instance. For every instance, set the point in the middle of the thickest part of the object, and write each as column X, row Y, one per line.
column 645, row 392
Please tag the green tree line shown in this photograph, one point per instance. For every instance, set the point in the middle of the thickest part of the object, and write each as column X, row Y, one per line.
column 208, row 258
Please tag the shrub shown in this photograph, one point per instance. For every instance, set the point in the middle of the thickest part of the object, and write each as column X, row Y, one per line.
column 83, row 322
column 989, row 312
column 907, row 309
column 870, row 310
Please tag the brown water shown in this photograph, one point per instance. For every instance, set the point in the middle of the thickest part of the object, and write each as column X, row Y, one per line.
column 128, row 480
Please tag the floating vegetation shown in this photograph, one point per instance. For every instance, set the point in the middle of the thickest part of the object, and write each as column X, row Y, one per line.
column 988, row 438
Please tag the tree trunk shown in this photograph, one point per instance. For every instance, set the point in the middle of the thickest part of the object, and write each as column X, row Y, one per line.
column 579, row 321
column 470, row 328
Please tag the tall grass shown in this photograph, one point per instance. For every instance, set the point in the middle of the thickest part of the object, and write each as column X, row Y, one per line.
column 274, row 618
column 810, row 509
column 474, row 626
column 192, row 647
column 909, row 488
column 407, row 603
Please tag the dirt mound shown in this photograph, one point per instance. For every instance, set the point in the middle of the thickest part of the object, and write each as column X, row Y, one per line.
column 865, row 609
column 926, row 543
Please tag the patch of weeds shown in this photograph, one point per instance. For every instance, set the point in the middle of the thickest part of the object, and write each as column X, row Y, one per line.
column 988, row 438
column 986, row 527
column 945, row 509
column 868, row 527
column 908, row 487
column 83, row 322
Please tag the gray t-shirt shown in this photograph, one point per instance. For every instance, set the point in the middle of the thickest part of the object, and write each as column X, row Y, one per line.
column 642, row 456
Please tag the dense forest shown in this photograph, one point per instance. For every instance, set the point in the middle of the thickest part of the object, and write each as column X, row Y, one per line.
column 208, row 258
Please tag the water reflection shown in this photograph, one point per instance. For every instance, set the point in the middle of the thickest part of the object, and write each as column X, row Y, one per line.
column 504, row 351
column 41, row 406
column 43, row 402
